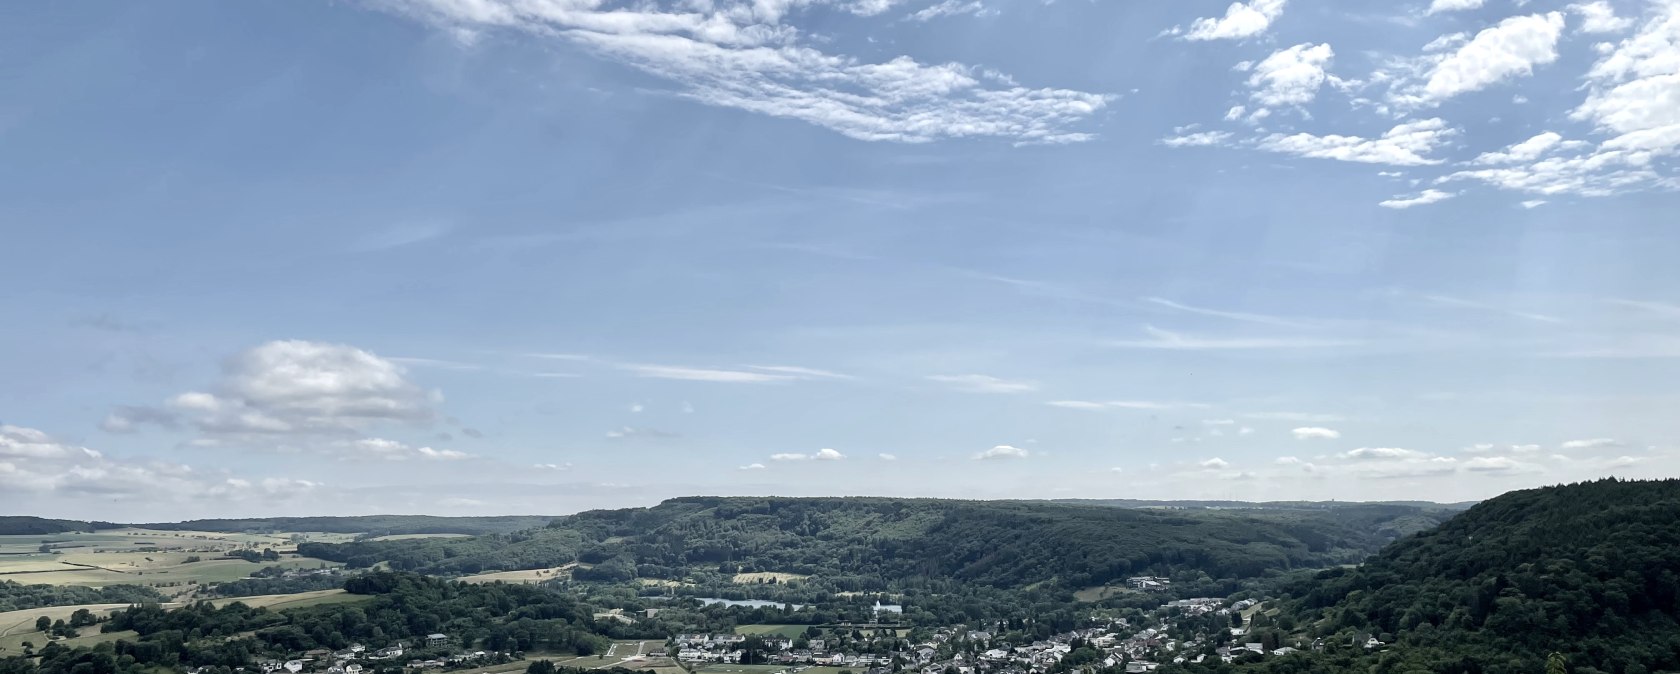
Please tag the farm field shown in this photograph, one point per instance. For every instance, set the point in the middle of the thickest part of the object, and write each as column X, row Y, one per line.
column 280, row 602
column 720, row 668
column 789, row 631
column 526, row 576
column 404, row 537
column 766, row 576
column 145, row 557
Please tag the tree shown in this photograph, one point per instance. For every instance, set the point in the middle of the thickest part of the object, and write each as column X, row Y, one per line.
column 540, row 667
column 43, row 624
column 1555, row 664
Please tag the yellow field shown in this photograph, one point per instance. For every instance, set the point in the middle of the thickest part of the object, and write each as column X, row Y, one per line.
column 279, row 602
column 404, row 537
column 659, row 582
column 526, row 576
column 762, row 576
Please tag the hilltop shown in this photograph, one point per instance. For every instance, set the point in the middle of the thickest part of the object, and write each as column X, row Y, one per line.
column 874, row 543
column 1586, row 570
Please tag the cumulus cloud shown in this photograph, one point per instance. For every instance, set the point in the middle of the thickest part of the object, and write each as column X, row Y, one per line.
column 1316, row 433
column 1214, row 463
column 292, row 388
column 1241, row 20
column 1591, row 443
column 1600, row 17
column 980, row 383
column 745, row 55
column 1290, row 76
column 1634, row 90
column 1288, row 461
column 1438, row 6
column 1425, row 197
column 392, row 450
column 1367, row 453
column 1198, row 139
column 824, row 454
column 752, row 466
column 1002, row 452
column 1525, row 151
column 34, row 464
column 1493, row 464
column 1507, row 50
column 1406, row 144
column 887, row 457
column 552, row 466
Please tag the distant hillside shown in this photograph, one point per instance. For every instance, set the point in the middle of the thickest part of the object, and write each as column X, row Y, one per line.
column 27, row 526
column 1264, row 505
column 375, row 524
column 877, row 542
column 1591, row 571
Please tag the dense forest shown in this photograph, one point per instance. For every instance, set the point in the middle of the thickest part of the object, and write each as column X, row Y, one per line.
column 1589, row 571
column 877, row 543
column 401, row 607
column 368, row 524
column 16, row 597
column 22, row 525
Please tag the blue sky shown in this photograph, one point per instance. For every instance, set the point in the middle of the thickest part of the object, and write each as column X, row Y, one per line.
column 474, row 256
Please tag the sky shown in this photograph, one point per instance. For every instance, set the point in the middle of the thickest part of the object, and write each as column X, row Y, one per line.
column 465, row 257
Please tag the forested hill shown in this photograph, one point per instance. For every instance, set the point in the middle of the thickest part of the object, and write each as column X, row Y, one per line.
column 870, row 543
column 14, row 525
column 1590, row 570
column 376, row 524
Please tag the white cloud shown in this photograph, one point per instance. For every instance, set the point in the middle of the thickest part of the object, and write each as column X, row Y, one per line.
column 1290, row 76
column 1493, row 464
column 1163, row 339
column 1506, row 50
column 1002, row 452
column 1533, row 203
column 1215, row 463
column 1241, row 20
column 803, row 372
column 1438, row 6
column 1406, row 144
column 552, row 466
column 824, row 454
column 1245, row 431
column 636, row 408
column 1199, row 139
column 1525, row 151
column 392, row 450
column 1288, row 461
column 1591, row 443
column 1428, row 196
column 1382, row 453
column 34, row 465
column 980, row 383
column 707, row 374
column 1600, row 17
column 1219, row 422
column 293, row 388
column 743, row 54
column 887, row 457
column 1634, row 90
column 1316, row 433
column 752, row 466
column 951, row 8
